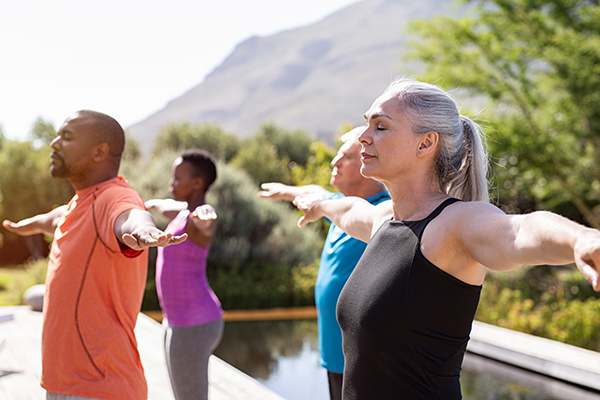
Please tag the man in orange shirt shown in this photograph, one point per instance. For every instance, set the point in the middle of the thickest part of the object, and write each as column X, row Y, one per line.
column 97, row 267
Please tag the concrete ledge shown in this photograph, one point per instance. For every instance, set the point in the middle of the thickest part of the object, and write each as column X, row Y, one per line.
column 548, row 357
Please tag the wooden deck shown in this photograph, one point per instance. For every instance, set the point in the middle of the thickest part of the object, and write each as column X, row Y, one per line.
column 20, row 362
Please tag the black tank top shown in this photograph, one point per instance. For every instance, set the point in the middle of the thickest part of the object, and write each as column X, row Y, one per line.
column 405, row 322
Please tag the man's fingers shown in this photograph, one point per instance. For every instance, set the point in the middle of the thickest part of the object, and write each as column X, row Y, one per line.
column 130, row 241
column 9, row 225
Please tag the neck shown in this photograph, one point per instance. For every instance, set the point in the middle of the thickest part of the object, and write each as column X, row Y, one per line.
column 195, row 201
column 91, row 180
column 416, row 205
column 370, row 188
column 414, row 199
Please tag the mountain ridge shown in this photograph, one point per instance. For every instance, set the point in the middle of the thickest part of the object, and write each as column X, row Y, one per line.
column 314, row 77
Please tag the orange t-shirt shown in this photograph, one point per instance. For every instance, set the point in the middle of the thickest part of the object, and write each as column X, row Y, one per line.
column 93, row 296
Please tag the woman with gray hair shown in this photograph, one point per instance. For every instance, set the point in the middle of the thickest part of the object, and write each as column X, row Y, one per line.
column 407, row 309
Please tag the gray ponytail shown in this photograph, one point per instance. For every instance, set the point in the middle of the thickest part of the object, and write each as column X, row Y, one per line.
column 461, row 162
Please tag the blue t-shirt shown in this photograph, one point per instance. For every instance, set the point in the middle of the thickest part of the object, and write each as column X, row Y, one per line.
column 340, row 255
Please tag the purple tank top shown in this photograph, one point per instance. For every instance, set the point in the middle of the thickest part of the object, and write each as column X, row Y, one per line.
column 183, row 290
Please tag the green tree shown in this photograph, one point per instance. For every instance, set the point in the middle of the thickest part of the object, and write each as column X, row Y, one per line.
column 43, row 131
column 26, row 189
column 132, row 149
column 538, row 64
column 2, row 136
column 210, row 137
column 250, row 230
column 272, row 153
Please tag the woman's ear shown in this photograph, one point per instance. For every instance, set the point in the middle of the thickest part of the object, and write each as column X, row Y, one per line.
column 198, row 183
column 427, row 143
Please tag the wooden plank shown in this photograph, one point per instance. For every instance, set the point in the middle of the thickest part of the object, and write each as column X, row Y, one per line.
column 20, row 356
column 21, row 366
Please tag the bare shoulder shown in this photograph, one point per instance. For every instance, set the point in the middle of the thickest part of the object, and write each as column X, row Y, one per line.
column 381, row 213
column 449, row 238
column 464, row 213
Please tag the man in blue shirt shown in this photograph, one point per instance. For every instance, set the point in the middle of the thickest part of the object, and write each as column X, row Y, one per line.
column 340, row 252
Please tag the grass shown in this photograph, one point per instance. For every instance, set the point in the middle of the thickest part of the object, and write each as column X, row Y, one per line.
column 16, row 279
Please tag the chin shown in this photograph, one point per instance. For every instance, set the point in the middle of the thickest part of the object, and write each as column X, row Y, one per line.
column 59, row 172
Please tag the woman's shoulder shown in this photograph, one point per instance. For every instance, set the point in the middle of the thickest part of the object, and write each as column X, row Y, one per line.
column 382, row 212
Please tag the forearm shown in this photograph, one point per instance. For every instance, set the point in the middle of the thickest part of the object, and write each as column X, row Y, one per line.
column 353, row 215
column 308, row 190
column 42, row 223
column 168, row 208
column 279, row 191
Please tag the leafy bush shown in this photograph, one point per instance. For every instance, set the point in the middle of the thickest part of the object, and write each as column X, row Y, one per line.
column 280, row 150
column 260, row 285
column 26, row 189
column 257, row 244
column 564, row 312
column 254, row 231
column 210, row 137
column 16, row 279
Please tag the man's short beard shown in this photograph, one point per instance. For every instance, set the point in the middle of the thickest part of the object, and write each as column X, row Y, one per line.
column 60, row 172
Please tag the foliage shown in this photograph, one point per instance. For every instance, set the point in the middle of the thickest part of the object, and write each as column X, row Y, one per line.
column 42, row 131
column 272, row 153
column 549, row 302
column 210, row 137
column 16, row 279
column 132, row 149
column 150, row 178
column 538, row 63
column 26, row 189
column 252, row 230
column 317, row 170
column 252, row 234
column 263, row 285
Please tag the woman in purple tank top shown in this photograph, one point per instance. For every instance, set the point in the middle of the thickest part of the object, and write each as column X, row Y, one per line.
column 427, row 251
column 192, row 313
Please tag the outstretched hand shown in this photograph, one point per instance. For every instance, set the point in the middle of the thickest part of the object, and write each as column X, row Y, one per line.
column 309, row 206
column 143, row 238
column 587, row 257
column 205, row 212
column 204, row 218
column 22, row 228
column 275, row 191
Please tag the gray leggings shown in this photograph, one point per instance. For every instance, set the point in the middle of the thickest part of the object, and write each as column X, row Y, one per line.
column 187, row 349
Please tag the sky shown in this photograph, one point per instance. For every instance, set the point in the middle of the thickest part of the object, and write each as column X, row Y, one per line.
column 125, row 58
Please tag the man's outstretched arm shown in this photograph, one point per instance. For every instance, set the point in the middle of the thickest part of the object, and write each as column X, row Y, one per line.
column 41, row 223
column 279, row 191
column 135, row 228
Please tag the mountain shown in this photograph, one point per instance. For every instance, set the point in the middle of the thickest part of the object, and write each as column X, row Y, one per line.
column 314, row 78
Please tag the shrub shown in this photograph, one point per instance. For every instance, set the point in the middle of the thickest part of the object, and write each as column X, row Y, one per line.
column 262, row 285
column 564, row 312
column 15, row 280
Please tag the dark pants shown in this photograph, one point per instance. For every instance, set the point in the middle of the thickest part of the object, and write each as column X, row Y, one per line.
column 335, row 385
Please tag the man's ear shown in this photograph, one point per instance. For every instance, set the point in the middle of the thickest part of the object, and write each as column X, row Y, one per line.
column 428, row 143
column 101, row 152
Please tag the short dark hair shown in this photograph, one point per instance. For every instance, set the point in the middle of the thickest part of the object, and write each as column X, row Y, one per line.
column 204, row 165
column 107, row 130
